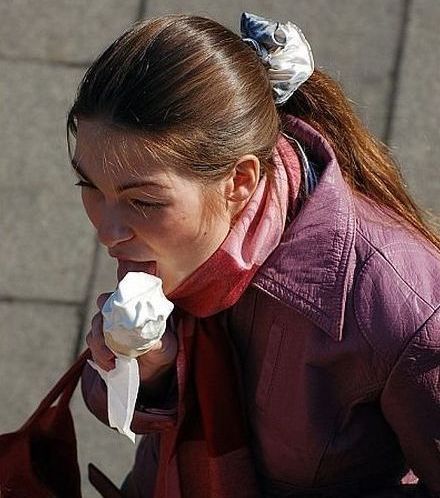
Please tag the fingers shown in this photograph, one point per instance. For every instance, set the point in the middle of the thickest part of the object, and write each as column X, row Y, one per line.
column 101, row 354
column 101, row 299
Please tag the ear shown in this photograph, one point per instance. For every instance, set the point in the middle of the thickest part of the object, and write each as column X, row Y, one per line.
column 243, row 180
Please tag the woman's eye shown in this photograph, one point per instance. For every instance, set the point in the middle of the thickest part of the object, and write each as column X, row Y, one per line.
column 146, row 205
column 82, row 183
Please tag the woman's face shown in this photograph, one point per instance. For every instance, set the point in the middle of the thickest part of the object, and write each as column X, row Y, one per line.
column 142, row 212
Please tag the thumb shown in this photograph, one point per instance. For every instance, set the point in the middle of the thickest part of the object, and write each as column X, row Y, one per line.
column 101, row 299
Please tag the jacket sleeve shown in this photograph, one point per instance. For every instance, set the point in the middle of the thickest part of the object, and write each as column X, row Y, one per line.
column 410, row 402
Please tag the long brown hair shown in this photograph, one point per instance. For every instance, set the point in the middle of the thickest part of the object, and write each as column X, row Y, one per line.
column 366, row 163
column 199, row 98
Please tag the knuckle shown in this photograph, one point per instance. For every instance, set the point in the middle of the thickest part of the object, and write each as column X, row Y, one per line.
column 102, row 355
column 97, row 323
column 106, row 353
column 101, row 299
column 91, row 342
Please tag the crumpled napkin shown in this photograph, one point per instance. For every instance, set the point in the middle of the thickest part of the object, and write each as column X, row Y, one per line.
column 134, row 320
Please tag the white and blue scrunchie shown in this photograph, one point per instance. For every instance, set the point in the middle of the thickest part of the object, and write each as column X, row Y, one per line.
column 284, row 48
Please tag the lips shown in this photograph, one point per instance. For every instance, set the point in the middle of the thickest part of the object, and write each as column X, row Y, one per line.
column 124, row 266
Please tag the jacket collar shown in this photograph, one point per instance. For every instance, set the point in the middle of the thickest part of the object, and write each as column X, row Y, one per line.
column 312, row 268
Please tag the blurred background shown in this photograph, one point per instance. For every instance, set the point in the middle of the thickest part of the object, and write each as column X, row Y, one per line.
column 384, row 52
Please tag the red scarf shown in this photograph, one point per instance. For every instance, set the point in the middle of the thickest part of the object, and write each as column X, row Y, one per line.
column 207, row 454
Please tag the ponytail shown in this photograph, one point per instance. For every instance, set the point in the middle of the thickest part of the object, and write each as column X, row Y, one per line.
column 366, row 163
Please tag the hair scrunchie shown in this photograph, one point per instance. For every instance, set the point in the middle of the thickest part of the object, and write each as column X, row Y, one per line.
column 282, row 47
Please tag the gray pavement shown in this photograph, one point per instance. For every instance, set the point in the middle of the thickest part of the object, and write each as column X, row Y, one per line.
column 385, row 53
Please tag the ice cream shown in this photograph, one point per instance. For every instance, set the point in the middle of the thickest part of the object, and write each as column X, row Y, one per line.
column 134, row 320
column 135, row 314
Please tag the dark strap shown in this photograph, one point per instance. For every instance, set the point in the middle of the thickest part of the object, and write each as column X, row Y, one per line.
column 65, row 386
column 102, row 483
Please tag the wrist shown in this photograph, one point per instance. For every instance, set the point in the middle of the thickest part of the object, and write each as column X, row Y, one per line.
column 162, row 355
column 153, row 375
column 156, row 363
column 155, row 392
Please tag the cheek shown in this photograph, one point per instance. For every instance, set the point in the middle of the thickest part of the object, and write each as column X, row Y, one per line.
column 170, row 230
column 91, row 206
column 187, row 223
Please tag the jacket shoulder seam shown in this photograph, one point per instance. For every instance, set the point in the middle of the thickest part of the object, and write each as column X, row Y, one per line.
column 357, row 313
column 412, row 339
column 379, row 251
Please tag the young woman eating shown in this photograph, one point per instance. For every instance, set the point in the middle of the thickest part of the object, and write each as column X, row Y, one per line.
column 302, row 356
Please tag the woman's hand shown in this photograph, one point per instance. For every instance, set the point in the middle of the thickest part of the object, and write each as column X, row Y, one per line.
column 152, row 363
column 101, row 354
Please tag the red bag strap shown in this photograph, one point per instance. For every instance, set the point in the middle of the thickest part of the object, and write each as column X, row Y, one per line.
column 65, row 386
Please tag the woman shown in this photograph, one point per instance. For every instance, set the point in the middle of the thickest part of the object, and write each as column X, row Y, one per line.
column 302, row 356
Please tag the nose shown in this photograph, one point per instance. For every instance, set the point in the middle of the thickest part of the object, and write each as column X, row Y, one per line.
column 112, row 230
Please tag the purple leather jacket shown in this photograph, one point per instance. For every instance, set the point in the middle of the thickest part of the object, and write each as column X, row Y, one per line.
column 339, row 341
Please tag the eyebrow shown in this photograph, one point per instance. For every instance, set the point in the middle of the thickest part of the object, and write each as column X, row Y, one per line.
column 121, row 188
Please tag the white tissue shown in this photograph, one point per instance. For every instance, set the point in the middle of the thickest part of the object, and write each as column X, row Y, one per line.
column 134, row 321
column 122, row 387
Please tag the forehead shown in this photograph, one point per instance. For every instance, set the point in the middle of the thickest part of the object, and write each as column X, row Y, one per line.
column 118, row 153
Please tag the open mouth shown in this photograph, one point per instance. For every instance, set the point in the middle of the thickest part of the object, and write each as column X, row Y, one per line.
column 125, row 266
